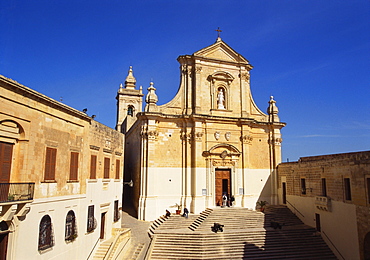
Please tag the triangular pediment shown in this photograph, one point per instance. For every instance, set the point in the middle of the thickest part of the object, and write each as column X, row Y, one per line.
column 221, row 51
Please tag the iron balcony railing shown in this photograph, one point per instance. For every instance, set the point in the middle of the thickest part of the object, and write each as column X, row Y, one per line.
column 16, row 191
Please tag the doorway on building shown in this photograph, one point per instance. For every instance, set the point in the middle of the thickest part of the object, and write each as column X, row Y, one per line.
column 367, row 247
column 102, row 225
column 318, row 223
column 223, row 184
column 284, row 192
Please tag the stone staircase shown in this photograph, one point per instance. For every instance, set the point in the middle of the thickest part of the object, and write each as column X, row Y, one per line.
column 247, row 235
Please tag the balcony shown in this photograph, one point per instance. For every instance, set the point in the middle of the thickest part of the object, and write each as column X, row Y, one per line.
column 14, row 192
column 15, row 199
column 322, row 203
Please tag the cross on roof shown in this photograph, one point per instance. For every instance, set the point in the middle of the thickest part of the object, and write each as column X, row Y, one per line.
column 218, row 31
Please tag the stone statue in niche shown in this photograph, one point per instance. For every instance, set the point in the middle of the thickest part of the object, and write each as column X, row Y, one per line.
column 220, row 99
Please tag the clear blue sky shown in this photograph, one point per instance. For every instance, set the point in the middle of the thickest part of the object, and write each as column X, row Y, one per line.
column 313, row 56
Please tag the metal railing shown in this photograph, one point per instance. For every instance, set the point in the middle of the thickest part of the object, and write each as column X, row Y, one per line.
column 294, row 208
column 16, row 191
column 333, row 245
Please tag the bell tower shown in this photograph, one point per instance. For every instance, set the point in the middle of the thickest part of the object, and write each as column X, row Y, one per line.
column 129, row 103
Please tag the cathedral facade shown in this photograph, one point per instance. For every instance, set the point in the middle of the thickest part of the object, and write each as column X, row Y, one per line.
column 210, row 139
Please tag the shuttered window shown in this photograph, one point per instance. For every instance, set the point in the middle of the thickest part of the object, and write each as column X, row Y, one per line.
column 93, row 167
column 73, row 167
column 118, row 169
column 91, row 224
column 106, row 168
column 6, row 151
column 50, row 161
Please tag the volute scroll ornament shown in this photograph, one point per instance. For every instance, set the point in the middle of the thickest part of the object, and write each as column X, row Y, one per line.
column 198, row 136
column 246, row 139
column 276, row 141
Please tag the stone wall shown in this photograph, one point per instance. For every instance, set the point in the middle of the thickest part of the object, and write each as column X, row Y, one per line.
column 334, row 169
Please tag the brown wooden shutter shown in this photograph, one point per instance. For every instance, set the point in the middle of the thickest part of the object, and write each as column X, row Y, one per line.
column 117, row 169
column 6, row 151
column 93, row 167
column 50, row 162
column 73, row 167
column 106, row 168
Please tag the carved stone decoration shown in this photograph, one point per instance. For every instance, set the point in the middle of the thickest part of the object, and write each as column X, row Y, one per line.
column 198, row 69
column 246, row 139
column 152, row 135
column 223, row 154
column 227, row 136
column 217, row 135
column 186, row 137
column 198, row 136
column 276, row 141
column 245, row 76
column 223, row 163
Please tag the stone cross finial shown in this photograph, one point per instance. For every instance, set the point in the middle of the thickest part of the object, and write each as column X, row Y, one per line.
column 218, row 32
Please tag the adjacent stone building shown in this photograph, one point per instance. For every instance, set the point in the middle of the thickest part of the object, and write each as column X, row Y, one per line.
column 331, row 192
column 210, row 139
column 61, row 177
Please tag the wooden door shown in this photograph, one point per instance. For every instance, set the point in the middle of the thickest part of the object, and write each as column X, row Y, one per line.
column 3, row 245
column 102, row 225
column 223, row 184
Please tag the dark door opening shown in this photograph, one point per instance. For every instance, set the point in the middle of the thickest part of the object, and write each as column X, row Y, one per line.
column 284, row 192
column 318, row 224
column 3, row 245
column 223, row 184
column 102, row 225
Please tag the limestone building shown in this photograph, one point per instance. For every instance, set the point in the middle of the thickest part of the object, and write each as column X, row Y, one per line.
column 331, row 193
column 210, row 139
column 61, row 177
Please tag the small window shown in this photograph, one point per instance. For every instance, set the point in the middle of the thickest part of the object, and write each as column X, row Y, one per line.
column 368, row 189
column 91, row 223
column 71, row 227
column 118, row 163
column 347, row 189
column 93, row 167
column 45, row 233
column 106, row 168
column 116, row 211
column 73, row 170
column 50, row 162
column 130, row 111
column 303, row 186
column 323, row 187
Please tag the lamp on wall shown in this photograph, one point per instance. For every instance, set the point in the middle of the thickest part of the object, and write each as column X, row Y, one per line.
column 129, row 183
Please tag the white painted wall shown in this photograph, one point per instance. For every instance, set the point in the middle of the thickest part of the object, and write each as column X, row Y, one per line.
column 339, row 225
column 26, row 235
column 165, row 188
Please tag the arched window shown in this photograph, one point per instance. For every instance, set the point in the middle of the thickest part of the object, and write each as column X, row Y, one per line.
column 130, row 111
column 71, row 227
column 46, row 239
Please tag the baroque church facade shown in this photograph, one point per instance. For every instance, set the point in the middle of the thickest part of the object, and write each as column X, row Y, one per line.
column 210, row 139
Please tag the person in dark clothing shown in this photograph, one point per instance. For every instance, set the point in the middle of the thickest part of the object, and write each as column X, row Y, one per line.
column 186, row 213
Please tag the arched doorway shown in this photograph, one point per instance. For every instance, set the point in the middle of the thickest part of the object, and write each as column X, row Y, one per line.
column 367, row 247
